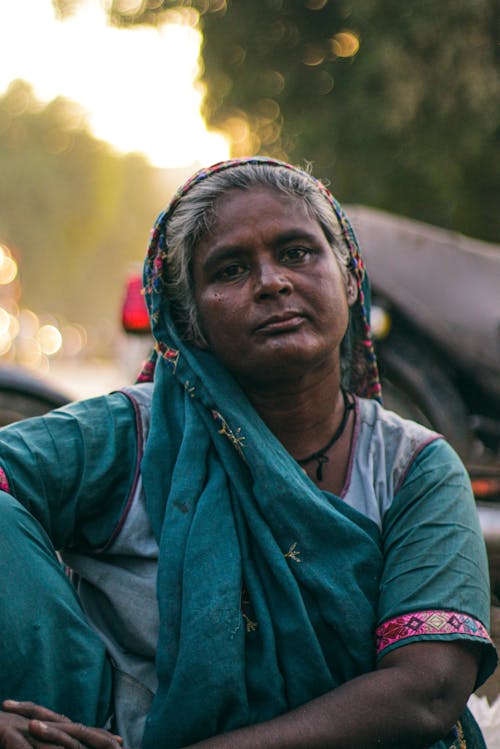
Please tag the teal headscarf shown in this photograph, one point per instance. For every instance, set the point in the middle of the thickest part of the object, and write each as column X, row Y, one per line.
column 267, row 586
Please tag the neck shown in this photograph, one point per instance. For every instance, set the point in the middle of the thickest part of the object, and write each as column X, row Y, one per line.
column 302, row 414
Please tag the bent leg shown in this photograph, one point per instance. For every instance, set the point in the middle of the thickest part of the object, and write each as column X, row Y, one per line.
column 49, row 654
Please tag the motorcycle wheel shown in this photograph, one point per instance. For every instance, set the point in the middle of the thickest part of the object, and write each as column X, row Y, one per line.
column 416, row 385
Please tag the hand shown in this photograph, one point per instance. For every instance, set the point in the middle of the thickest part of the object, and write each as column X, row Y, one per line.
column 24, row 725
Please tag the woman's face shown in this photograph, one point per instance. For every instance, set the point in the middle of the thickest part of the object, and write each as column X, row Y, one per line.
column 271, row 298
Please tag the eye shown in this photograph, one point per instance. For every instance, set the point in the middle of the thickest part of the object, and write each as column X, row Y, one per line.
column 228, row 272
column 294, row 255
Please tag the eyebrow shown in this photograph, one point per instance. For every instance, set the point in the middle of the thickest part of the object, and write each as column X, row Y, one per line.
column 293, row 234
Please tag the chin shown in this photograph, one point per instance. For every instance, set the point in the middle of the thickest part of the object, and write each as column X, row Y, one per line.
column 285, row 364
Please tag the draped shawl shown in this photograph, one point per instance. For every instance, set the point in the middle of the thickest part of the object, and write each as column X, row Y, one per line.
column 267, row 586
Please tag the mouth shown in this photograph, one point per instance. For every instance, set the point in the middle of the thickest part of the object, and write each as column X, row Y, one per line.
column 283, row 323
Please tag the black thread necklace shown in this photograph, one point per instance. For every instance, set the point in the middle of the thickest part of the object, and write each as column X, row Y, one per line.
column 320, row 455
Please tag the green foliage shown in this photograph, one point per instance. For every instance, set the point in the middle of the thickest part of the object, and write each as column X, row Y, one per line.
column 409, row 123
column 74, row 212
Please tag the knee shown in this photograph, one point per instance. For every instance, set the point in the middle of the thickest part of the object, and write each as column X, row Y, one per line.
column 23, row 540
column 12, row 512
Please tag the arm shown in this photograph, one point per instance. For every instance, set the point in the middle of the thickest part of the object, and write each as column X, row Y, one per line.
column 434, row 560
column 412, row 700
column 72, row 469
column 66, row 473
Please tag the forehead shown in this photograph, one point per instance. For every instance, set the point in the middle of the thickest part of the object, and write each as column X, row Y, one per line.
column 258, row 207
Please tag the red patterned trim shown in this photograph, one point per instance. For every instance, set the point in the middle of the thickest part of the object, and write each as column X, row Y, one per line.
column 433, row 622
column 147, row 372
column 4, row 482
column 171, row 355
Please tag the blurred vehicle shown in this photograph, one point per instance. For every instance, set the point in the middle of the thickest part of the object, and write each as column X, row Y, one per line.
column 436, row 320
column 23, row 395
column 135, row 318
column 135, row 324
column 436, row 323
column 436, row 301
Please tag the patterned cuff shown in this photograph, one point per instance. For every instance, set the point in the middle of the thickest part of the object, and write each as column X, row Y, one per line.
column 429, row 625
column 4, row 482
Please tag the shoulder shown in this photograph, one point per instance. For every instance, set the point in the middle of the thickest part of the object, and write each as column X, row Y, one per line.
column 387, row 432
column 140, row 394
column 385, row 447
column 90, row 418
column 141, row 398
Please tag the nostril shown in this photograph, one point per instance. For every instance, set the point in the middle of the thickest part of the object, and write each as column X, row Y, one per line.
column 271, row 284
column 271, row 289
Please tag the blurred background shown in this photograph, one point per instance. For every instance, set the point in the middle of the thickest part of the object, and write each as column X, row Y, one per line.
column 107, row 105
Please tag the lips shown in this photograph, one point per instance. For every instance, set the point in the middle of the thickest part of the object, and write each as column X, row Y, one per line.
column 281, row 323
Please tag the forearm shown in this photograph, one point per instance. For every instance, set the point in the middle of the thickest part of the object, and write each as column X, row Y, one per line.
column 392, row 707
column 365, row 712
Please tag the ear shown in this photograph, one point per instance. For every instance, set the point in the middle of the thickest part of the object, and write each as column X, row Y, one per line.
column 352, row 289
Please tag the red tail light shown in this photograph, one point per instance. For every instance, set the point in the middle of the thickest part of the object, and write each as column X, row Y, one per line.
column 135, row 318
column 486, row 488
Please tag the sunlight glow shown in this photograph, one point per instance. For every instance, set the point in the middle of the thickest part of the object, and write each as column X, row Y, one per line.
column 137, row 85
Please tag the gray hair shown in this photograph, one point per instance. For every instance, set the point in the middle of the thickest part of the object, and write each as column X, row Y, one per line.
column 195, row 215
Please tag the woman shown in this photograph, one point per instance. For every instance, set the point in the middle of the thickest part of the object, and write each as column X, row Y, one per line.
column 242, row 526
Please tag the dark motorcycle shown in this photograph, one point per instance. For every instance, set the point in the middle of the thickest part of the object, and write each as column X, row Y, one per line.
column 436, row 319
column 436, row 315
column 23, row 395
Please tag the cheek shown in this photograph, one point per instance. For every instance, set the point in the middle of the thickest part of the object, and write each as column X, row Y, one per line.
column 217, row 316
column 330, row 298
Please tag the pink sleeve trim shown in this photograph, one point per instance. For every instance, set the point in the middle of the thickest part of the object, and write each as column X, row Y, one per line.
column 4, row 482
column 433, row 622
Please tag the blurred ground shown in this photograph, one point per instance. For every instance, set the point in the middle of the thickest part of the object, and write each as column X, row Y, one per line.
column 491, row 689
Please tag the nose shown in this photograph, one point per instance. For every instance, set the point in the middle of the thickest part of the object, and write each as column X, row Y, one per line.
column 271, row 280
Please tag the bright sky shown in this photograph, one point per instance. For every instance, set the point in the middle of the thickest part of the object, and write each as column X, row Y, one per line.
column 137, row 85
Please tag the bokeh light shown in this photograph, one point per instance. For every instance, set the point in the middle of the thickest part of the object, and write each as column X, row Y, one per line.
column 316, row 4
column 5, row 344
column 50, row 339
column 28, row 353
column 25, row 337
column 74, row 339
column 4, row 321
column 8, row 266
column 28, row 340
column 29, row 323
column 345, row 44
column 312, row 55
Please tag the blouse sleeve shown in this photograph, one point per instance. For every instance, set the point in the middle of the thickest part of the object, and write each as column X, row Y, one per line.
column 73, row 468
column 435, row 583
